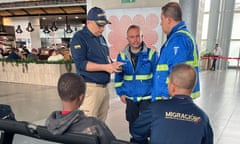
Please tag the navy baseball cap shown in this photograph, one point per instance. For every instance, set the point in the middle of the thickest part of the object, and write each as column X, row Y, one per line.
column 98, row 15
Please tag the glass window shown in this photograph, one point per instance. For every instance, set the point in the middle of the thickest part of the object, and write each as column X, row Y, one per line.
column 207, row 5
column 203, row 47
column 234, row 52
column 205, row 26
column 235, row 26
column 237, row 5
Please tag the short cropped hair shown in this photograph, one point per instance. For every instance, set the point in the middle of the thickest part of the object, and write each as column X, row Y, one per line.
column 183, row 76
column 173, row 10
column 133, row 27
column 71, row 86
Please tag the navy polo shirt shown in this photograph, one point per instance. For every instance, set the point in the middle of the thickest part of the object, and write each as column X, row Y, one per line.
column 174, row 121
column 87, row 47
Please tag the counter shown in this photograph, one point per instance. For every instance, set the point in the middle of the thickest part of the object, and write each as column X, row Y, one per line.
column 32, row 73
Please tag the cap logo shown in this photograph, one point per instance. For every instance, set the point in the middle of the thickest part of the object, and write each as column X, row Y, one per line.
column 101, row 14
column 101, row 21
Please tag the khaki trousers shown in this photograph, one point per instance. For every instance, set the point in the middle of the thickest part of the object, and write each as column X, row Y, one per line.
column 96, row 101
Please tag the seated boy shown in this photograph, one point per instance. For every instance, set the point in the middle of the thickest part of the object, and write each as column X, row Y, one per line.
column 71, row 89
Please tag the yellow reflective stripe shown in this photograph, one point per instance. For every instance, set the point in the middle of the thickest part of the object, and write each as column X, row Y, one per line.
column 118, row 84
column 122, row 55
column 139, row 98
column 162, row 67
column 195, row 61
column 195, row 95
column 151, row 54
column 162, row 98
column 144, row 77
column 131, row 98
column 190, row 62
column 138, row 77
column 158, row 98
column 128, row 77
column 143, row 98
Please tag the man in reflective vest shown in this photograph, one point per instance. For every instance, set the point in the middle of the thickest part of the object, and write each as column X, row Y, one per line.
column 180, row 47
column 134, row 83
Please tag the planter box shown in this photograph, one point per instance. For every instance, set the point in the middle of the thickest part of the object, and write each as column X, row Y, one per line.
column 32, row 73
column 205, row 64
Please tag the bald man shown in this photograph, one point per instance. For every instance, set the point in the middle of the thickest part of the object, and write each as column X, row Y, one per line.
column 178, row 119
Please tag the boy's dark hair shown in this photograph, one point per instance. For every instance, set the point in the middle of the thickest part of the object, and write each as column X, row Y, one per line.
column 71, row 86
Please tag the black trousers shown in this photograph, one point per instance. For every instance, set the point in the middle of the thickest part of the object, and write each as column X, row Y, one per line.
column 133, row 109
column 214, row 63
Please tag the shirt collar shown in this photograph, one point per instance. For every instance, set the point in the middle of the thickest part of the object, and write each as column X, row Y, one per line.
column 183, row 97
column 179, row 26
column 89, row 32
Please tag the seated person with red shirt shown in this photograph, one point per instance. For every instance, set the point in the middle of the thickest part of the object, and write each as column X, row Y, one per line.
column 71, row 89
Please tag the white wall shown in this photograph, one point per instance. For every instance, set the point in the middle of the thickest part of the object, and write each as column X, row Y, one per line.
column 116, row 4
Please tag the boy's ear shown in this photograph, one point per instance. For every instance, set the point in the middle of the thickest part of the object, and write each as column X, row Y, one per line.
column 81, row 98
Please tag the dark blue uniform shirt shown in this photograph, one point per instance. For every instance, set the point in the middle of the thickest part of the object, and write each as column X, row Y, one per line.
column 87, row 47
column 174, row 121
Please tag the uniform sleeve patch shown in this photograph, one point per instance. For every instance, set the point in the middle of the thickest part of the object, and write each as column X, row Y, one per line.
column 77, row 46
column 175, row 49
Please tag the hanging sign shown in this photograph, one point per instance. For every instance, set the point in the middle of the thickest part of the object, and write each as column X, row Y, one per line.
column 128, row 1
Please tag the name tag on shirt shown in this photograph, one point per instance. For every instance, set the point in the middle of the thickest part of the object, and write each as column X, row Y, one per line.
column 77, row 46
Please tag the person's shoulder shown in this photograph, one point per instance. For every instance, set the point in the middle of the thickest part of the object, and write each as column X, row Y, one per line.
column 94, row 120
column 79, row 33
column 201, row 112
column 177, row 37
column 161, row 103
column 182, row 34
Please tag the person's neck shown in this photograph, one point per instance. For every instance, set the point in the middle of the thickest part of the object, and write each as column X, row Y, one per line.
column 68, row 106
column 135, row 50
column 172, row 26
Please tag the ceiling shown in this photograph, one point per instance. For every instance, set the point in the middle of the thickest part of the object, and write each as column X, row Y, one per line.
column 44, row 11
column 50, row 10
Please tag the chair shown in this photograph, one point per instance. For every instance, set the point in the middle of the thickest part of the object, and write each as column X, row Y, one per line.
column 68, row 138
column 10, row 127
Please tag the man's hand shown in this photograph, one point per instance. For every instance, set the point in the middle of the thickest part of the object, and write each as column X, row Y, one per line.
column 114, row 67
column 123, row 99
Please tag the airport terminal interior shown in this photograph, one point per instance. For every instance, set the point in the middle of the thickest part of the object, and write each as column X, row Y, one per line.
column 219, row 98
column 48, row 25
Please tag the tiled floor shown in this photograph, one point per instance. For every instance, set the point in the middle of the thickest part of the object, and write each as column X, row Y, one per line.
column 220, row 98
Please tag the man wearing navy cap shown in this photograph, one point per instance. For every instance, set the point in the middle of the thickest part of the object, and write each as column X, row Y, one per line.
column 90, row 54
